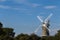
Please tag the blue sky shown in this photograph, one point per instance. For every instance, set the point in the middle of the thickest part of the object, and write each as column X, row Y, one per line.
column 22, row 14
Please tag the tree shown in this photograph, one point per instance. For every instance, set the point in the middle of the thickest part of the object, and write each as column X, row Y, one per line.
column 9, row 32
column 34, row 37
column 22, row 37
column 57, row 35
column 6, row 33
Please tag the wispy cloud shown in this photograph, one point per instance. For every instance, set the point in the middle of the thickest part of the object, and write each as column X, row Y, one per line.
column 2, row 0
column 13, row 8
column 20, row 1
column 50, row 7
column 18, row 8
column 27, row 3
column 23, row 2
column 35, row 5
column 4, row 7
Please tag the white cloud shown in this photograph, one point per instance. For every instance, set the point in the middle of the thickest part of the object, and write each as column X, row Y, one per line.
column 2, row 0
column 35, row 5
column 20, row 1
column 8, row 7
column 49, row 7
column 32, row 4
column 4, row 7
column 27, row 3
column 18, row 9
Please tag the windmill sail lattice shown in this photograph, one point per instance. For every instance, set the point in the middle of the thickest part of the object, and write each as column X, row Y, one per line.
column 45, row 25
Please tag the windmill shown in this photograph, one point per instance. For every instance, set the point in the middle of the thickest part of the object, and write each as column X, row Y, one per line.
column 45, row 25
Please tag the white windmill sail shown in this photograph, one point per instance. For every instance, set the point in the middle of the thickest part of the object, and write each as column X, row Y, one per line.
column 48, row 17
column 39, row 18
column 37, row 29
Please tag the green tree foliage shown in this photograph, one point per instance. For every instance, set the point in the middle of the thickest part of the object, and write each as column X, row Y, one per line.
column 57, row 36
column 48, row 38
column 27, row 37
column 34, row 37
column 22, row 37
column 8, row 34
column 9, row 31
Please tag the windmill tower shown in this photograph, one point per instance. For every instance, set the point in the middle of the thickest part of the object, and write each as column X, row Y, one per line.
column 45, row 25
